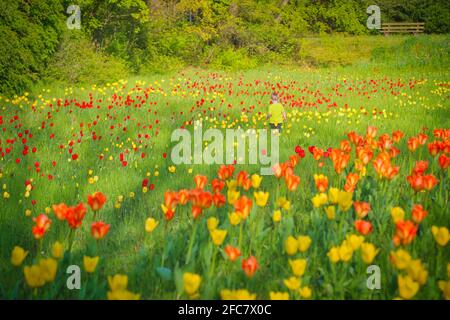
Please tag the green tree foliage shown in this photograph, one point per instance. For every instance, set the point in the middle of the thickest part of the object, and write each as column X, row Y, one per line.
column 147, row 36
column 30, row 33
column 435, row 13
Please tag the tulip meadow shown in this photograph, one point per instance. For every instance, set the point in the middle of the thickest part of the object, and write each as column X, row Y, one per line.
column 88, row 189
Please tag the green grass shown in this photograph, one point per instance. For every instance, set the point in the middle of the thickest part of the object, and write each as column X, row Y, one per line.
column 130, row 250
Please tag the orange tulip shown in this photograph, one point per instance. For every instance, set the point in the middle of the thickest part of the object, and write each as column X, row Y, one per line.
column 416, row 182
column 293, row 160
column 250, row 266
column 292, row 182
column 75, row 216
column 277, row 170
column 355, row 138
column 397, row 136
column 435, row 147
column 200, row 181
column 413, row 143
column 242, row 206
column 363, row 227
column 60, row 211
column 99, row 229
column 182, row 197
column 225, row 172
column 385, row 142
column 420, row 167
column 96, row 201
column 232, row 252
column 405, row 232
column 246, row 184
column 340, row 159
column 196, row 211
column 371, row 132
column 218, row 200
column 418, row 213
column 200, row 200
column 430, row 181
column 361, row 208
column 444, row 161
column 394, row 152
column 317, row 153
column 441, row 133
column 422, row 138
column 391, row 172
column 217, row 185
column 345, row 146
column 241, row 177
column 321, row 182
column 170, row 199
column 364, row 154
column 42, row 224
column 351, row 182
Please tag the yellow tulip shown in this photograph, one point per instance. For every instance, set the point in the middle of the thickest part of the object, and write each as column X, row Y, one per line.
column 319, row 200
column 18, row 255
column 48, row 269
column 368, row 252
column 234, row 218
column 400, row 258
column 291, row 245
column 293, row 283
column 354, row 241
column 232, row 196
column 345, row 200
column 333, row 195
column 298, row 266
column 118, row 282
column 212, row 223
column 191, row 282
column 90, row 263
column 256, row 181
column 397, row 214
column 261, row 198
column 241, row 294
column 231, row 184
column 122, row 295
column 345, row 252
column 445, row 288
column 333, row 254
column 417, row 271
column 407, row 287
column 303, row 243
column 331, row 212
column 57, row 250
column 276, row 217
column 33, row 276
column 218, row 236
column 305, row 292
column 279, row 295
column 283, row 203
column 151, row 224
column 441, row 235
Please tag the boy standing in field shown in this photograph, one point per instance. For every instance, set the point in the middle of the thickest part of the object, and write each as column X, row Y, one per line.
column 276, row 114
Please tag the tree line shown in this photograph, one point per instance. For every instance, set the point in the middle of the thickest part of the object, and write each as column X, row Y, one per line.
column 143, row 36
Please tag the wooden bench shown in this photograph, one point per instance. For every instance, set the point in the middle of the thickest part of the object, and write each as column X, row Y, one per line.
column 402, row 27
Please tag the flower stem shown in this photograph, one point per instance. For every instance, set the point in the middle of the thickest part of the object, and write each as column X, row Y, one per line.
column 213, row 264
column 240, row 235
column 191, row 242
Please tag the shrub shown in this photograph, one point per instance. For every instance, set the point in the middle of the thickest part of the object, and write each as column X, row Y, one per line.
column 78, row 61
